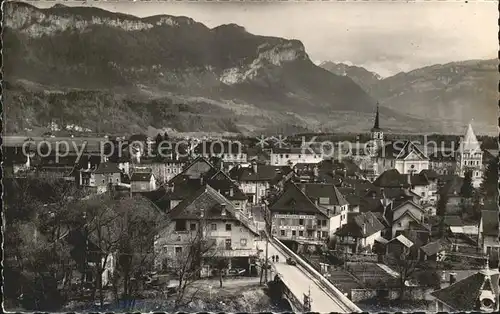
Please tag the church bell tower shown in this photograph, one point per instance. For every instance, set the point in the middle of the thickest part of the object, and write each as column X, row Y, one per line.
column 377, row 134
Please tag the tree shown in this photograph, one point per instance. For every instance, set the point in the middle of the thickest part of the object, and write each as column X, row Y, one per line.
column 441, row 207
column 187, row 261
column 467, row 189
column 404, row 264
column 489, row 184
column 123, row 232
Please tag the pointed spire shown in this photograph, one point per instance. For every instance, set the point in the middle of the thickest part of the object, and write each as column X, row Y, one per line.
column 470, row 142
column 376, row 125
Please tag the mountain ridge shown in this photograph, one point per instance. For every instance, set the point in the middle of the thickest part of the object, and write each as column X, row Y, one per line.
column 454, row 93
column 224, row 77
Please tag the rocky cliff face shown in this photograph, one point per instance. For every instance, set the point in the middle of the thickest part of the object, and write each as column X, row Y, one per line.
column 231, row 73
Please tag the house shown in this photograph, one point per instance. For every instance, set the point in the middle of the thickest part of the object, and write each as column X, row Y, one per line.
column 163, row 170
column 406, row 215
column 469, row 157
column 418, row 183
column 478, row 292
column 194, row 176
column 287, row 156
column 488, row 232
column 142, row 182
column 442, row 162
column 434, row 251
column 399, row 246
column 312, row 212
column 227, row 151
column 99, row 177
column 207, row 216
column 451, row 185
column 255, row 180
column 360, row 232
column 405, row 157
column 15, row 161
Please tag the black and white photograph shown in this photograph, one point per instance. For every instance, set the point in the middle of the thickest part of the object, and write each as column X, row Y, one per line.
column 250, row 156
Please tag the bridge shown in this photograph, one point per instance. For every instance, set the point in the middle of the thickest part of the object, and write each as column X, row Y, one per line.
column 303, row 280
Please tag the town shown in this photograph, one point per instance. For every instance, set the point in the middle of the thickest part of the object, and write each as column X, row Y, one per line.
column 386, row 223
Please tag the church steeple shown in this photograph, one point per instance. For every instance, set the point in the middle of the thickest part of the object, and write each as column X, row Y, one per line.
column 376, row 125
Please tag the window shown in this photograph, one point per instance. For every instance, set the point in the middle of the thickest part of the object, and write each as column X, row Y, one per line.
column 178, row 250
column 283, row 233
column 174, row 170
column 301, row 222
column 282, row 222
column 228, row 227
column 102, row 180
column 180, row 225
column 319, row 222
column 323, row 223
column 324, row 200
column 228, row 244
column 214, row 227
column 286, row 156
column 325, row 234
column 192, row 227
column 301, row 233
column 294, row 233
column 178, row 238
column 422, row 194
column 243, row 242
column 168, row 170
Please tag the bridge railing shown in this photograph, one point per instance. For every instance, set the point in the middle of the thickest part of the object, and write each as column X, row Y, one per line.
column 350, row 306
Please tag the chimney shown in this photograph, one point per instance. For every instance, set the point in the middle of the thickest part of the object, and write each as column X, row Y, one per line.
column 202, row 212
column 88, row 164
column 453, row 278
column 231, row 192
column 254, row 167
column 364, row 229
column 409, row 179
column 223, row 209
column 201, row 180
column 345, row 172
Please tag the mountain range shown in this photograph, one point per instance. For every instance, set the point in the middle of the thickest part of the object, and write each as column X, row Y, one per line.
column 452, row 94
column 116, row 73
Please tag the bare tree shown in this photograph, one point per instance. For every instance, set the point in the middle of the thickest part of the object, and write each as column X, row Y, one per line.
column 405, row 265
column 188, row 260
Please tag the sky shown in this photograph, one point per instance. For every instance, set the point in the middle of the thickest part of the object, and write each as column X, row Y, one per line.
column 382, row 36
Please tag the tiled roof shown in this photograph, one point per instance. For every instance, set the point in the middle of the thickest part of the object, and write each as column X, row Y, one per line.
column 297, row 150
column 211, row 203
column 430, row 174
column 463, row 294
column 293, row 199
column 315, row 191
column 434, row 247
column 403, row 240
column 201, row 172
column 354, row 226
column 141, row 176
column 453, row 221
column 220, row 147
column 397, row 151
column 264, row 173
column 392, row 179
column 489, row 218
column 107, row 167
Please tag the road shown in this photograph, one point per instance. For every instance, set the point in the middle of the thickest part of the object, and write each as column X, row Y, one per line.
column 299, row 283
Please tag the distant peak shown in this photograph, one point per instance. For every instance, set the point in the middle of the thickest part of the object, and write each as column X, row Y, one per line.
column 58, row 6
column 230, row 26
